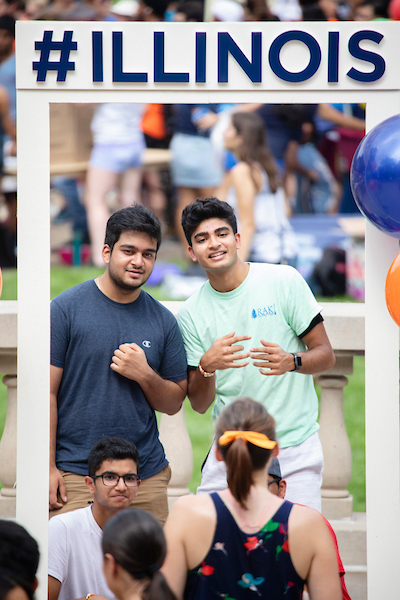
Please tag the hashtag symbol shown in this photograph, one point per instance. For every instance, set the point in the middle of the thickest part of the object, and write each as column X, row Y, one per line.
column 63, row 65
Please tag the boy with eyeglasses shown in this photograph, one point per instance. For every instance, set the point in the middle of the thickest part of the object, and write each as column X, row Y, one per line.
column 75, row 555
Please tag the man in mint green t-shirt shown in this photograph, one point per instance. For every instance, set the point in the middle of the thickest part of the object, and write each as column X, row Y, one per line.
column 254, row 330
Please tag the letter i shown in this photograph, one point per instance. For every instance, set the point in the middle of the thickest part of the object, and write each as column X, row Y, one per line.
column 333, row 57
column 97, row 56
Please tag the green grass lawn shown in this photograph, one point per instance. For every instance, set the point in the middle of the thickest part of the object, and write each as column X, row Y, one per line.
column 199, row 426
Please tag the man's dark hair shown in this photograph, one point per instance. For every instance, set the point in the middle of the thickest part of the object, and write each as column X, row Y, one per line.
column 133, row 218
column 158, row 7
column 19, row 556
column 8, row 23
column 209, row 208
column 111, row 448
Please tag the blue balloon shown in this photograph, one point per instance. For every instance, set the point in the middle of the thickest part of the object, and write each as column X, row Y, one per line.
column 375, row 176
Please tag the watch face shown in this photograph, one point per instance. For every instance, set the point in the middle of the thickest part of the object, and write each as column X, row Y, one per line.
column 297, row 361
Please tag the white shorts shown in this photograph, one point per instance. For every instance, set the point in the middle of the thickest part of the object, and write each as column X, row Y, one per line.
column 117, row 158
column 301, row 467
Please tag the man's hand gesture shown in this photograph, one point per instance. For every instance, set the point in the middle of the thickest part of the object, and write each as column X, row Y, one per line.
column 271, row 359
column 224, row 354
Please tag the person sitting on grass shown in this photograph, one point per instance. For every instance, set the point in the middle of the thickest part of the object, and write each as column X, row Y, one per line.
column 245, row 542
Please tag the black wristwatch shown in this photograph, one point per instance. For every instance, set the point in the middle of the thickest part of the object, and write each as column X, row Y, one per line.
column 297, row 361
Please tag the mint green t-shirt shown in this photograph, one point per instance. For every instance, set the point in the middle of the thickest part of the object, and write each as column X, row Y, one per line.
column 273, row 303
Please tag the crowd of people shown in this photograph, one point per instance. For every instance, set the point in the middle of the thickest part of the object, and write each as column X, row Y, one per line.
column 117, row 356
column 251, row 337
column 305, row 154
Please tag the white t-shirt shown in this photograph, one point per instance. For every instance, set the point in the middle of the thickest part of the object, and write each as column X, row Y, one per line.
column 75, row 555
column 117, row 123
column 273, row 303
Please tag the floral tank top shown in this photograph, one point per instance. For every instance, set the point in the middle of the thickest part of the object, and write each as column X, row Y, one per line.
column 240, row 566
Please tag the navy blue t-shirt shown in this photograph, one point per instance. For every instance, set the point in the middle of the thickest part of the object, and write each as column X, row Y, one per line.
column 93, row 400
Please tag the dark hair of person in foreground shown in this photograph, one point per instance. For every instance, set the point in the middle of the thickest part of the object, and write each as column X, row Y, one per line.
column 134, row 550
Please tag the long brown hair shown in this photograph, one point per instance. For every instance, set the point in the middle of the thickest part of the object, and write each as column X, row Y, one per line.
column 254, row 148
column 242, row 458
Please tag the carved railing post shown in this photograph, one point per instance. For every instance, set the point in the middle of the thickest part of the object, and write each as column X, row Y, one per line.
column 174, row 437
column 8, row 445
column 8, row 442
column 337, row 503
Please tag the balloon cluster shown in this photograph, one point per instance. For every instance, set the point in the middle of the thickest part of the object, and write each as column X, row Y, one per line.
column 375, row 182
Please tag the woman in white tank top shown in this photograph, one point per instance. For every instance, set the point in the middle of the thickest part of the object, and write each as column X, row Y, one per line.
column 253, row 188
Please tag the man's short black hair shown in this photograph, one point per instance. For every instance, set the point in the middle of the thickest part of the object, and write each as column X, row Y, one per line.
column 209, row 208
column 19, row 556
column 132, row 218
column 8, row 23
column 111, row 448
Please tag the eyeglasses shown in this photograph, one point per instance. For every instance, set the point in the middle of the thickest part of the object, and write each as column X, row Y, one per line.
column 276, row 480
column 112, row 479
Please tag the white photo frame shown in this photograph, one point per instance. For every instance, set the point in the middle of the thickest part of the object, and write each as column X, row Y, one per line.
column 33, row 99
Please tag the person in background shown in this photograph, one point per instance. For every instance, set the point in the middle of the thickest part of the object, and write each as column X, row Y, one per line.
column 8, row 227
column 245, row 542
column 227, row 10
column 195, row 169
column 253, row 188
column 190, row 11
column 134, row 549
column 317, row 191
column 7, row 61
column 115, row 161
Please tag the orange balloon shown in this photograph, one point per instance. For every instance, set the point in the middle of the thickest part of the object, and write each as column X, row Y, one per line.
column 392, row 290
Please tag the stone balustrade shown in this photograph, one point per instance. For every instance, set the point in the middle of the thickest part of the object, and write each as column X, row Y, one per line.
column 345, row 325
column 8, row 442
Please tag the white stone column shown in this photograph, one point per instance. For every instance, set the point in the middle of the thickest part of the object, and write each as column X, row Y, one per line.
column 337, row 502
column 174, row 437
column 8, row 454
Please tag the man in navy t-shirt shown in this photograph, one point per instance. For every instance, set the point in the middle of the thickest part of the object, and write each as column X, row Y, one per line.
column 116, row 357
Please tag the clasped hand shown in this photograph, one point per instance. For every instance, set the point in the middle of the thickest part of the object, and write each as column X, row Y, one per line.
column 130, row 361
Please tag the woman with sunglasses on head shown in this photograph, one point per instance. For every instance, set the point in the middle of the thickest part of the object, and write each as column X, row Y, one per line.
column 254, row 189
column 245, row 542
column 134, row 550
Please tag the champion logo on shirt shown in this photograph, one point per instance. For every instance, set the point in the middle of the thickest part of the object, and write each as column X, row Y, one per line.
column 146, row 344
column 266, row 311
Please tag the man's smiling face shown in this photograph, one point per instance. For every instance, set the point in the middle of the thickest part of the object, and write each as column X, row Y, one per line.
column 214, row 245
